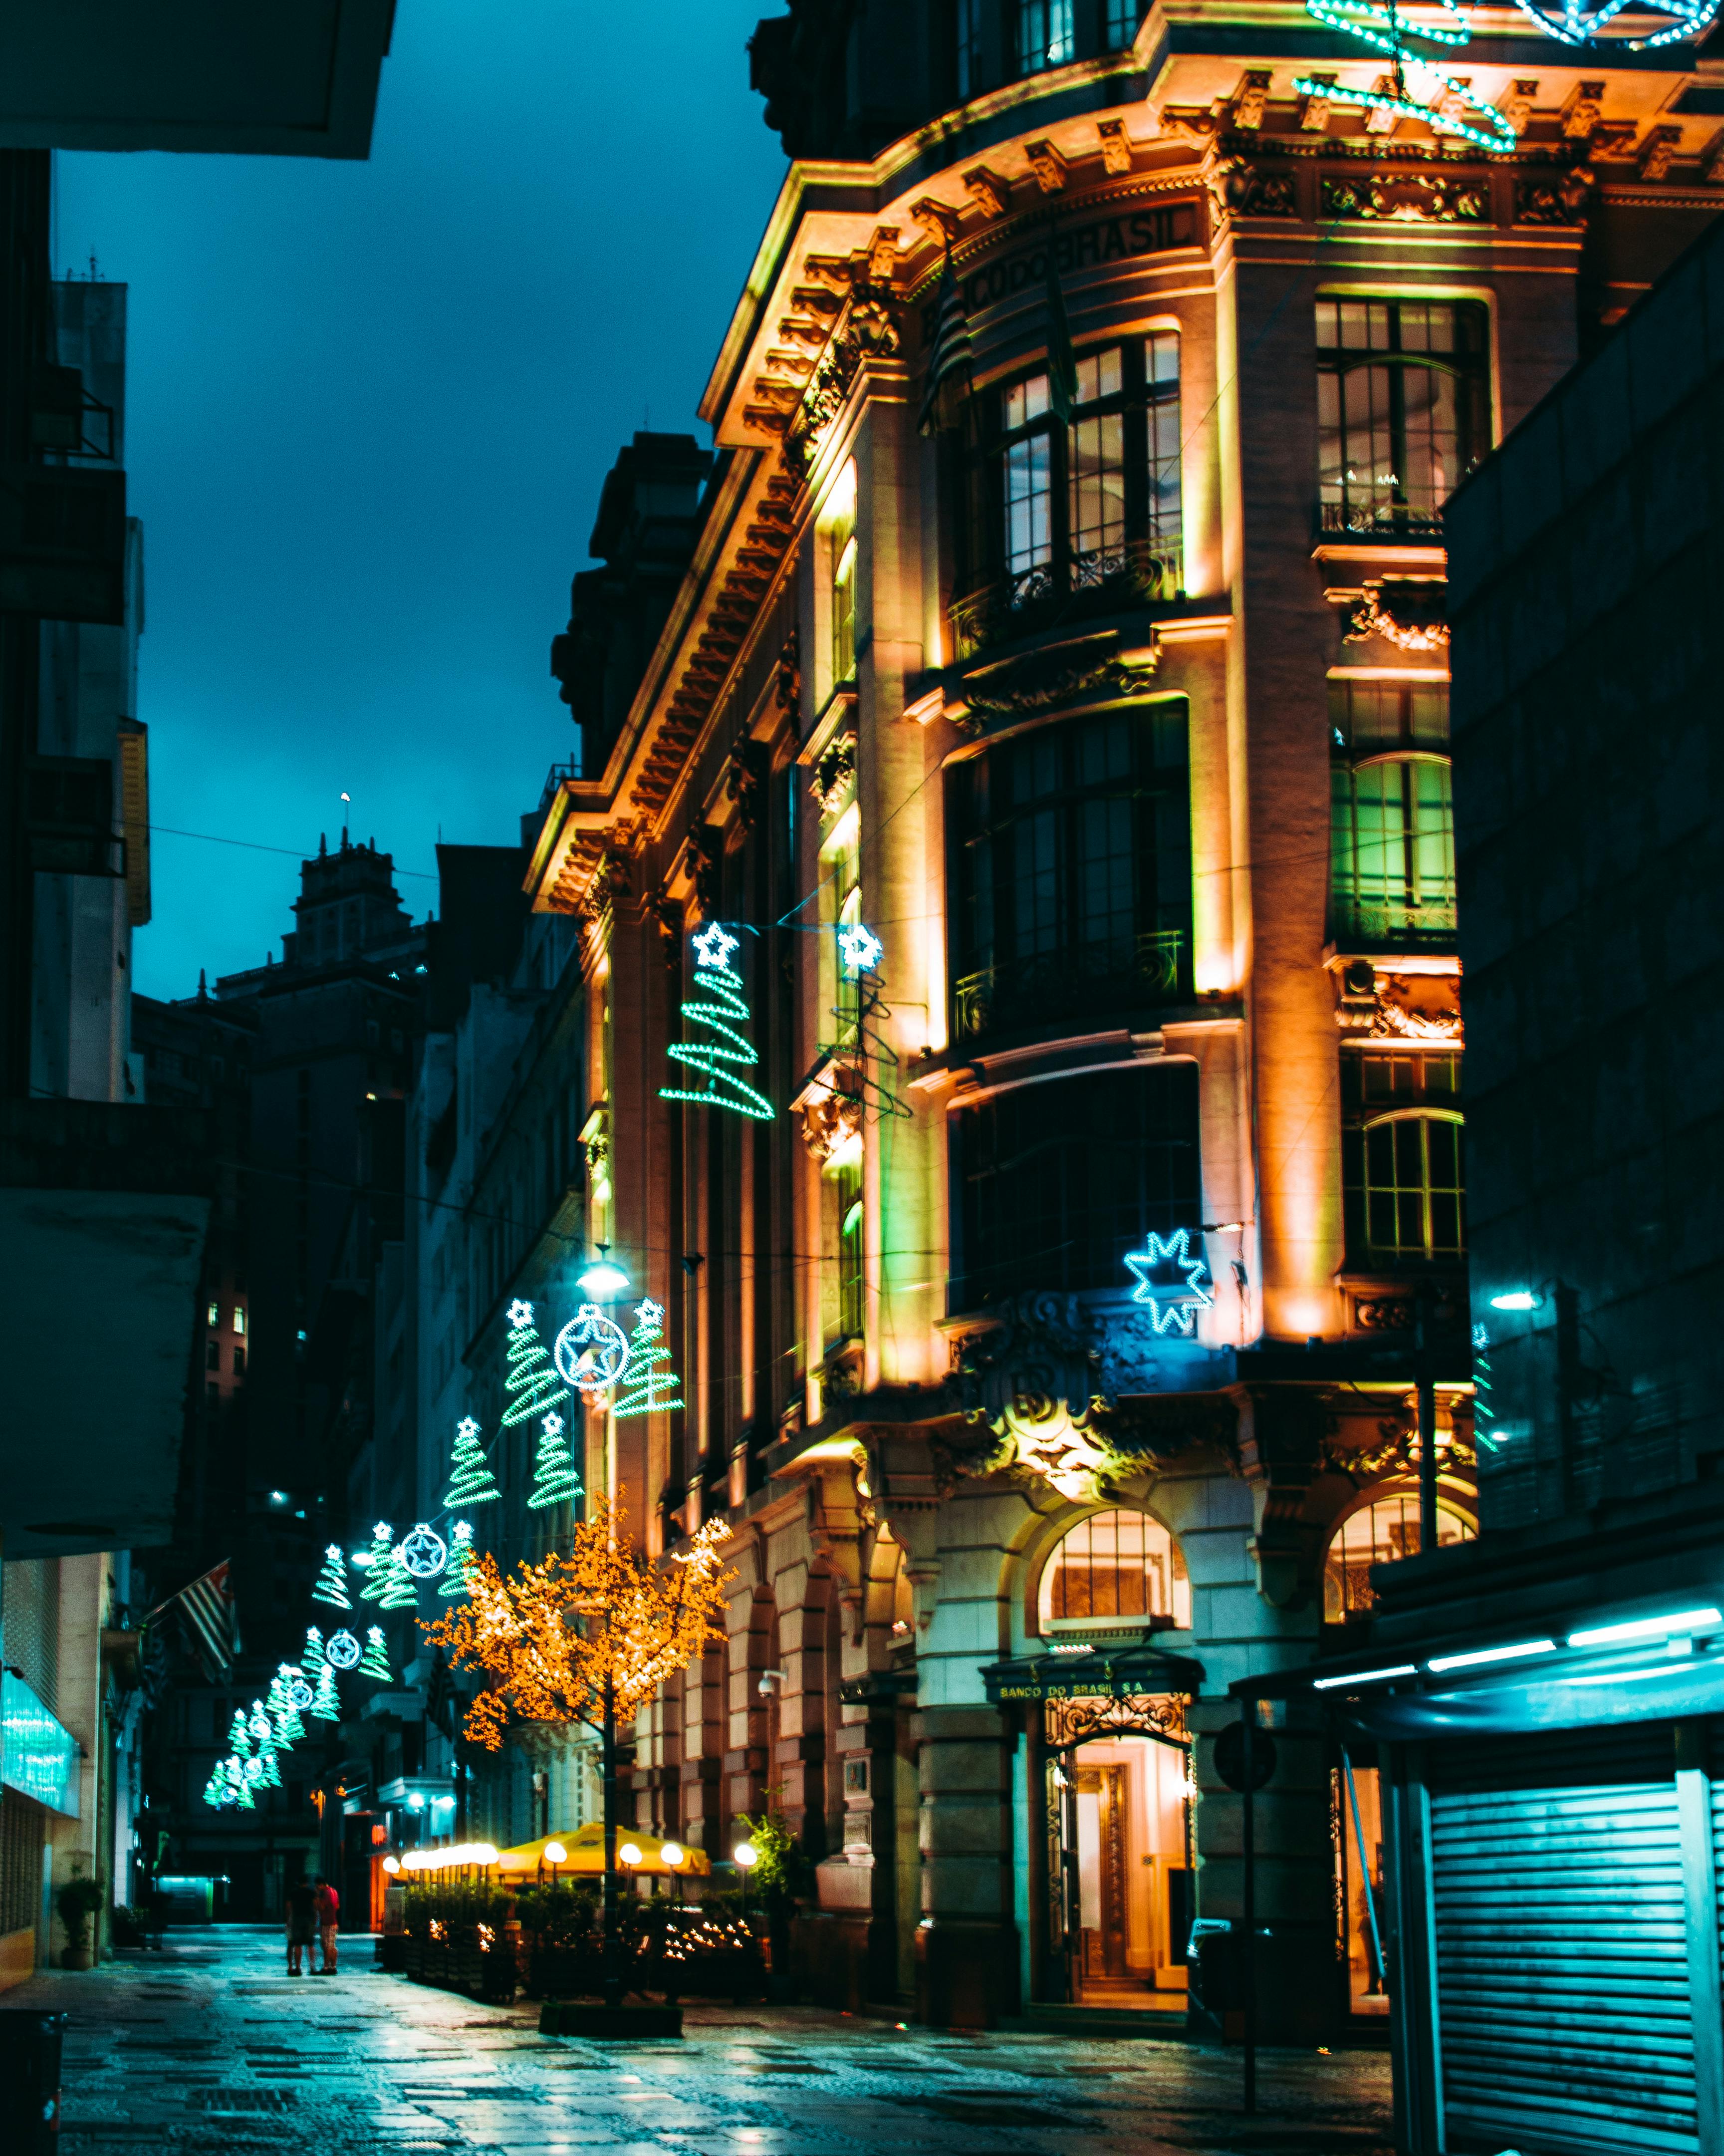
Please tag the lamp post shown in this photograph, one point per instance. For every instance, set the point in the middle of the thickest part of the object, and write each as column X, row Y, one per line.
column 747, row 1857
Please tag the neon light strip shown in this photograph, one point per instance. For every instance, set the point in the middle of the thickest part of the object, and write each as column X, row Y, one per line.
column 1517, row 1653
column 1366, row 1676
column 1649, row 1628
column 1633, row 1676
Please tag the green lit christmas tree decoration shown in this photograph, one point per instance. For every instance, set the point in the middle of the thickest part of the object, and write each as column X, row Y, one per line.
column 377, row 1657
column 531, row 1382
column 270, row 1778
column 289, row 1730
column 399, row 1590
column 239, row 1735
column 555, row 1480
column 377, row 1563
column 326, row 1706
column 331, row 1585
column 470, row 1480
column 718, row 1005
column 652, row 1384
column 311, row 1661
column 1422, row 91
column 461, row 1557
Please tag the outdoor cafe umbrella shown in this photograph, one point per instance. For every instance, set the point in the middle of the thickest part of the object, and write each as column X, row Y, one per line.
column 583, row 1852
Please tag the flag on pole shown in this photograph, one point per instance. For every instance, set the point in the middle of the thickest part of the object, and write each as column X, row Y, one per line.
column 210, row 1616
column 951, row 360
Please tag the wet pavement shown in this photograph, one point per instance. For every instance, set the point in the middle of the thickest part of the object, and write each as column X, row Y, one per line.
column 209, row 2048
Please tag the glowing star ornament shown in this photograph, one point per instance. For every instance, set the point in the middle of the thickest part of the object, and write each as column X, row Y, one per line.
column 423, row 1551
column 531, row 1382
column 859, row 948
column 1171, row 1280
column 299, row 1688
column 326, row 1705
column 461, row 1559
column 555, row 1481
column 591, row 1351
column 1422, row 91
column 377, row 1657
column 717, row 1004
column 342, row 1651
column 470, row 1480
column 331, row 1585
column 654, row 1386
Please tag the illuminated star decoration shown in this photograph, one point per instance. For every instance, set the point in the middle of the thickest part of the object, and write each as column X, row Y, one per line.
column 1570, row 24
column 1422, row 91
column 650, row 1313
column 1171, row 1281
column 861, row 949
column 466, row 1427
column 553, row 1425
column 713, row 947
column 592, row 1351
column 520, row 1314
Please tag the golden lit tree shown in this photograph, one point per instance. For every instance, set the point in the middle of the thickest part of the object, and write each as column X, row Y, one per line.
column 586, row 1636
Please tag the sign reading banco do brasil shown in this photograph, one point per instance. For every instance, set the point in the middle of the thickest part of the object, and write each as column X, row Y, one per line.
column 1151, row 230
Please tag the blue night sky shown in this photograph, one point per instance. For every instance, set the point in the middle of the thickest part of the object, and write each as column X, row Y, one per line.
column 369, row 409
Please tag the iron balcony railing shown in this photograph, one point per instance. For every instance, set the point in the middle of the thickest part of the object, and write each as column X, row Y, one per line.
column 1393, row 927
column 1134, row 572
column 1370, row 514
column 1051, row 985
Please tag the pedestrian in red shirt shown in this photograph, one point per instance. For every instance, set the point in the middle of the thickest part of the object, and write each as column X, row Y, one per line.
column 329, row 1911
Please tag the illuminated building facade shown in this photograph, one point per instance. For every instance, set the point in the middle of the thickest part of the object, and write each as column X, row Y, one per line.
column 1066, row 610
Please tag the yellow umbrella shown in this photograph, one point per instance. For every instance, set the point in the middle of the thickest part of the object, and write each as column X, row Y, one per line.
column 583, row 1852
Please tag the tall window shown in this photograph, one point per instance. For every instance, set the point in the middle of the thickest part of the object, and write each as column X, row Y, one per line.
column 1119, row 23
column 1053, row 1183
column 1056, row 509
column 1117, row 1564
column 1403, row 1157
column 1403, row 408
column 1070, row 871
column 842, row 541
column 850, row 1268
column 1392, row 825
column 1382, row 1533
column 1044, row 39
column 968, row 29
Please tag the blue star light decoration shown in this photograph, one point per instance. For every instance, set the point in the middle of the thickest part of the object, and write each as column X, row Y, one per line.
column 859, row 948
column 1171, row 1281
column 521, row 1315
column 713, row 947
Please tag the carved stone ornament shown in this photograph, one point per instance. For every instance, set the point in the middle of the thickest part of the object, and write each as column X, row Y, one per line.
column 832, row 1110
column 1418, row 1008
column 869, row 330
column 1041, row 681
column 1408, row 198
column 834, row 774
column 1396, row 1452
column 1017, row 1381
column 746, row 781
column 1407, row 615
column 1239, row 189
column 1561, row 201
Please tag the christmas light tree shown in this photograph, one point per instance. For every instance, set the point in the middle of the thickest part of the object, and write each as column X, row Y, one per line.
column 722, row 1013
column 652, row 1383
column 239, row 1735
column 270, row 1778
column 244, row 1798
column 470, row 1480
column 377, row 1567
column 1415, row 88
column 531, row 1380
column 331, row 1585
column 289, row 1730
column 555, row 1480
column 399, row 1590
column 377, row 1657
column 327, row 1704
column 460, row 1557
column 263, row 1730
column 215, row 1789
column 311, row 1661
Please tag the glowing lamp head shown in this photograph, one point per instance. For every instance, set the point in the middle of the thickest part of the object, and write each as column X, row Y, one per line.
column 746, row 1854
column 672, row 1853
column 628, row 1853
column 391, row 1864
column 602, row 1280
column 416, row 1802
column 555, row 1853
column 1514, row 1298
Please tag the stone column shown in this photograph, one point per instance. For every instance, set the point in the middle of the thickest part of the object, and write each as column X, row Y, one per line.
column 966, row 1945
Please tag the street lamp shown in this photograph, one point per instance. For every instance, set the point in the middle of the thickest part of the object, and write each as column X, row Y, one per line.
column 1517, row 1298
column 602, row 1280
column 747, row 1857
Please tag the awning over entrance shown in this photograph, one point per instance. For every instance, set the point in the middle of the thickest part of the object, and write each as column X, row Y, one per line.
column 1093, row 1671
column 1588, row 1701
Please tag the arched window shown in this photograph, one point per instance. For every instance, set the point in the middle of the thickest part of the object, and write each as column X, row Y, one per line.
column 1414, row 1190
column 1404, row 408
column 1392, row 824
column 1377, row 1534
column 1117, row 1564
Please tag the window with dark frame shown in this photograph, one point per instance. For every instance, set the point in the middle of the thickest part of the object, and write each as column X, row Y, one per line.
column 1404, row 1159
column 1056, row 509
column 1052, row 1183
column 1118, row 1564
column 1404, row 408
column 1392, row 825
column 1045, row 38
column 1070, row 872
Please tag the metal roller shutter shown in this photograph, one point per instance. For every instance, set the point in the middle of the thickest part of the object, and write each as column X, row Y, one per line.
column 1563, row 2013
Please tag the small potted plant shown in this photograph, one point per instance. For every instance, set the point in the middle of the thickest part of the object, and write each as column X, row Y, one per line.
column 79, row 1902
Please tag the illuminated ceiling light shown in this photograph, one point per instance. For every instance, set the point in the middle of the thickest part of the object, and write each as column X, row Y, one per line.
column 1367, row 1676
column 1518, row 1652
column 1649, row 1628
column 1516, row 1298
column 602, row 1281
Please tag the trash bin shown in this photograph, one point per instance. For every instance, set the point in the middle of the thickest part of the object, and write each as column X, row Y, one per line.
column 30, row 2081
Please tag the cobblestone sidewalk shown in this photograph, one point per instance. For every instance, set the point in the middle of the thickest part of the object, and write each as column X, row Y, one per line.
column 209, row 2049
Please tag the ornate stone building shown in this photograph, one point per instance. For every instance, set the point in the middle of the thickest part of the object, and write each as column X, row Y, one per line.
column 1050, row 1293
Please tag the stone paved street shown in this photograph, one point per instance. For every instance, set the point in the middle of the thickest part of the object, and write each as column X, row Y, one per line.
column 208, row 2047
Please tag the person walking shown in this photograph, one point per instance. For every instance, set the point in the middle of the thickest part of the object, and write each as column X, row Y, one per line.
column 301, row 1923
column 329, row 1912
